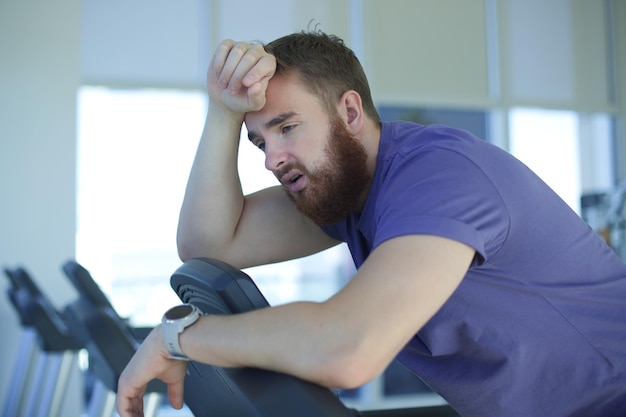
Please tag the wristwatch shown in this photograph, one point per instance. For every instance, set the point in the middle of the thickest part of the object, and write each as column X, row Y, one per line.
column 174, row 322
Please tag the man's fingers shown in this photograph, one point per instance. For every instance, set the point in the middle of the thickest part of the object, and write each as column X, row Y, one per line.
column 129, row 401
column 239, row 74
column 175, row 393
column 262, row 68
column 220, row 55
column 256, row 96
column 130, row 407
column 230, row 75
column 244, row 66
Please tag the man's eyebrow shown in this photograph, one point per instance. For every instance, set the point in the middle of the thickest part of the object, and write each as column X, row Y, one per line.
column 279, row 119
column 273, row 122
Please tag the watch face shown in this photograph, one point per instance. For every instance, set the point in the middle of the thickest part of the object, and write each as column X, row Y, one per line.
column 178, row 312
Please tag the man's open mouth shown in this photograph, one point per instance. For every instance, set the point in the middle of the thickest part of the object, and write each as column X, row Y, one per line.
column 295, row 178
column 293, row 181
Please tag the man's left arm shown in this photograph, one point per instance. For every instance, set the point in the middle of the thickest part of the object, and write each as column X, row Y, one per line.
column 401, row 285
column 343, row 342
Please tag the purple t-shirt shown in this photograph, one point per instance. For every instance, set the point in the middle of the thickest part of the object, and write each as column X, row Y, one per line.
column 538, row 325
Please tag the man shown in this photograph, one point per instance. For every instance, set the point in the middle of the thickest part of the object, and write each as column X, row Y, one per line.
column 470, row 270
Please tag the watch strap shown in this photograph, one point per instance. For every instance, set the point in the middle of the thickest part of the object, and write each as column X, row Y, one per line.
column 172, row 328
column 171, row 333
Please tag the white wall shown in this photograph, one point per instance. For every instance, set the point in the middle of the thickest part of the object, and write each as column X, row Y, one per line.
column 39, row 77
column 145, row 42
column 166, row 43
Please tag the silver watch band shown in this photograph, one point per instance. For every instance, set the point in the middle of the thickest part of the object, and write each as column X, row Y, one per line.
column 171, row 333
column 174, row 322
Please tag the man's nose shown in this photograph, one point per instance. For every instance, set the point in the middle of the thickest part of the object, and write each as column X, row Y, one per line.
column 275, row 157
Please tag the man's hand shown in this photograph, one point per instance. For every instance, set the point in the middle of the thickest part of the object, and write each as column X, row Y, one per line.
column 149, row 362
column 238, row 75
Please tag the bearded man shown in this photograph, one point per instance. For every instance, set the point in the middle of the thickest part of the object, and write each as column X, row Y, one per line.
column 470, row 270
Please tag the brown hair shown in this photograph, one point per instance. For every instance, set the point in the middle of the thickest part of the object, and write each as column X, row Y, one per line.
column 325, row 65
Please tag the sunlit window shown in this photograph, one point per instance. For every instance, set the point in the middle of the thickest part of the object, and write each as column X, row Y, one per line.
column 548, row 142
column 135, row 149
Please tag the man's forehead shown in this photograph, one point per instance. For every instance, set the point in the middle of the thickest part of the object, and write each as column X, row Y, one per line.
column 281, row 102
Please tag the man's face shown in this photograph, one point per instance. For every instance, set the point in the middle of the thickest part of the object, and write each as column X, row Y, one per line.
column 322, row 168
column 337, row 184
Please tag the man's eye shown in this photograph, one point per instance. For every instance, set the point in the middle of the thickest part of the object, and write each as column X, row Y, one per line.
column 261, row 146
column 287, row 128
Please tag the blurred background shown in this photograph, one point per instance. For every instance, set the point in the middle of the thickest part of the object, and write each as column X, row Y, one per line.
column 102, row 104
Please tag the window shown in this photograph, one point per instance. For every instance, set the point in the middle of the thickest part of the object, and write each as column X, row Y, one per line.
column 135, row 149
column 547, row 141
column 570, row 151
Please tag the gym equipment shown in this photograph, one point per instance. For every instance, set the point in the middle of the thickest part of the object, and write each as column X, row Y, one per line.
column 51, row 340
column 109, row 340
column 605, row 212
column 47, row 352
column 218, row 288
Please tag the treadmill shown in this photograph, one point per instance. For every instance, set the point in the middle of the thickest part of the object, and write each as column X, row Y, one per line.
column 46, row 355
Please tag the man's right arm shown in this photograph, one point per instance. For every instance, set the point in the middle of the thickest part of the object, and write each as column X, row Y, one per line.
column 216, row 219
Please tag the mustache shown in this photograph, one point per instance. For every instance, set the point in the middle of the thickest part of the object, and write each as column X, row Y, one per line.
column 279, row 173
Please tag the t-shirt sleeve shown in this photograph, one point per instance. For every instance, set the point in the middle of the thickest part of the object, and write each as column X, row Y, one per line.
column 440, row 192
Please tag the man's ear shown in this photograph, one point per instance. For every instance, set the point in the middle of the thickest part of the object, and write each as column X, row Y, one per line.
column 350, row 110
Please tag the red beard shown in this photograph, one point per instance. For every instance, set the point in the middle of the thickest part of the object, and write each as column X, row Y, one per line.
column 337, row 186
